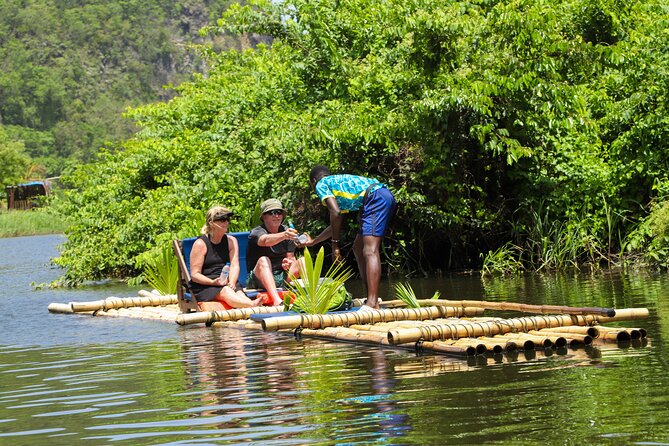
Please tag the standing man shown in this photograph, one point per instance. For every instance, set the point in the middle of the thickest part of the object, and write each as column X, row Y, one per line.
column 270, row 255
column 344, row 193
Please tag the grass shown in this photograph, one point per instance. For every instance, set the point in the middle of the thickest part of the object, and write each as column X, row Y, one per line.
column 37, row 221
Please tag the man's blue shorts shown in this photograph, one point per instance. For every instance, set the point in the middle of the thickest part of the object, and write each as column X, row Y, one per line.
column 377, row 210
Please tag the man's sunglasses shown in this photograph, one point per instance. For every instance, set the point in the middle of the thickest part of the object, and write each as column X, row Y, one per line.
column 275, row 212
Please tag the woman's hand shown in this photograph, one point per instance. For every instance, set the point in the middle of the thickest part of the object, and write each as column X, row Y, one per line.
column 220, row 282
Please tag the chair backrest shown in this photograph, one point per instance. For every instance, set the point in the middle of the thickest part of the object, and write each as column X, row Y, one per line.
column 242, row 241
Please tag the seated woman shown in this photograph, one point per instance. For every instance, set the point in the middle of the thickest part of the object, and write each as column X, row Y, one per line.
column 211, row 251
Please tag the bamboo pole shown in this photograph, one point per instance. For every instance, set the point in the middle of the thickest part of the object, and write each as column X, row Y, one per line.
column 625, row 314
column 478, row 345
column 571, row 338
column 527, row 342
column 148, row 300
column 55, row 307
column 505, row 344
column 362, row 317
column 346, row 334
column 209, row 317
column 547, row 340
column 635, row 333
column 592, row 331
column 504, row 306
column 617, row 336
column 443, row 347
column 447, row 331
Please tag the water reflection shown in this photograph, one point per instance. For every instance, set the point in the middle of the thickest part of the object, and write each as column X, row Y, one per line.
column 79, row 380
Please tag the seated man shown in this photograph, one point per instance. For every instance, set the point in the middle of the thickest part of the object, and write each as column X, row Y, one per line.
column 270, row 255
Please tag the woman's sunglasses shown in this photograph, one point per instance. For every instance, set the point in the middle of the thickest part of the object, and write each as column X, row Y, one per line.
column 275, row 212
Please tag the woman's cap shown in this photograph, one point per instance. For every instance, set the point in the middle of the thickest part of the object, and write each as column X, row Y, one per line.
column 223, row 215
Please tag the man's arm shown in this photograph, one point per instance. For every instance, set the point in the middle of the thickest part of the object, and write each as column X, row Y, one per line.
column 333, row 230
column 267, row 240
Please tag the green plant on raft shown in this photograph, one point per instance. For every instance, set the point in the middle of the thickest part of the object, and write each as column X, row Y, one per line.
column 161, row 271
column 315, row 294
column 406, row 294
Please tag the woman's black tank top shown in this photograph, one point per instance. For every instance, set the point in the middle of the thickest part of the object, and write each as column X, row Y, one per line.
column 217, row 256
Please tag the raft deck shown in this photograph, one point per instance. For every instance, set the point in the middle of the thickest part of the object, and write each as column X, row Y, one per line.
column 457, row 328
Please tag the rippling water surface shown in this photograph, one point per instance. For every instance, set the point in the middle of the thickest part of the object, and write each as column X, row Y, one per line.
column 73, row 379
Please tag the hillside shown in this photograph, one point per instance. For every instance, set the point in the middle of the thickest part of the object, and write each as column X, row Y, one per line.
column 71, row 68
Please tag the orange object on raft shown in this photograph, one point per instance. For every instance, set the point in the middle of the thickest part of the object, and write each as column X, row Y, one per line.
column 266, row 301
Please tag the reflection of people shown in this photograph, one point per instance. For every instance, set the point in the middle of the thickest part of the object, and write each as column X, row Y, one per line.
column 270, row 253
column 392, row 423
column 211, row 251
column 345, row 193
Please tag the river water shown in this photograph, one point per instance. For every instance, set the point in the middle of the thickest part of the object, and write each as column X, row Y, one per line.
column 75, row 379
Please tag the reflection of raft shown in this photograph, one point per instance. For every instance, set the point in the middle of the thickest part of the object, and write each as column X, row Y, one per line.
column 448, row 327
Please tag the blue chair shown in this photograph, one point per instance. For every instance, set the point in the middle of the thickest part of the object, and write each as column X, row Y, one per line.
column 182, row 249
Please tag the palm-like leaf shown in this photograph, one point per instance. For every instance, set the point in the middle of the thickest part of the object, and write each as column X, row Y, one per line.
column 313, row 294
column 161, row 272
column 406, row 294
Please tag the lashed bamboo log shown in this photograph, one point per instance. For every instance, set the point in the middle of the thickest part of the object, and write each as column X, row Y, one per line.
column 347, row 334
column 149, row 300
column 447, row 331
column 504, row 306
column 545, row 340
column 353, row 335
column 527, row 343
column 208, row 317
column 614, row 334
column 592, row 331
column 505, row 344
column 443, row 347
column 572, row 339
column 635, row 333
column 56, row 307
column 363, row 317
column 625, row 314
column 478, row 345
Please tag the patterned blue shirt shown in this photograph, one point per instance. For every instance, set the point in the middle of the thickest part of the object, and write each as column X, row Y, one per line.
column 348, row 190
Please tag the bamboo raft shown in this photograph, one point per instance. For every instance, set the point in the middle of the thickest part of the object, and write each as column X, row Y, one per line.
column 449, row 327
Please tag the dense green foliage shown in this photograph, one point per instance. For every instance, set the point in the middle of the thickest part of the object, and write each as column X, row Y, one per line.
column 70, row 68
column 532, row 122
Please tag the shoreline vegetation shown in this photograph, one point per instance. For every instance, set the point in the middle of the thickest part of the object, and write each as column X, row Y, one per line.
column 515, row 136
column 38, row 221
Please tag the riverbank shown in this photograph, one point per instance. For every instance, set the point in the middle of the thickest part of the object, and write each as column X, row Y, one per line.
column 38, row 221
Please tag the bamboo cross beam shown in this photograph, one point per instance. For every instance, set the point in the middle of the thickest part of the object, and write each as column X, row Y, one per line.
column 469, row 329
column 208, row 317
column 148, row 300
column 348, row 318
column 449, row 331
column 506, row 306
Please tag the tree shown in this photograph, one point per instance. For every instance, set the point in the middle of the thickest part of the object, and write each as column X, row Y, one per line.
column 485, row 118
